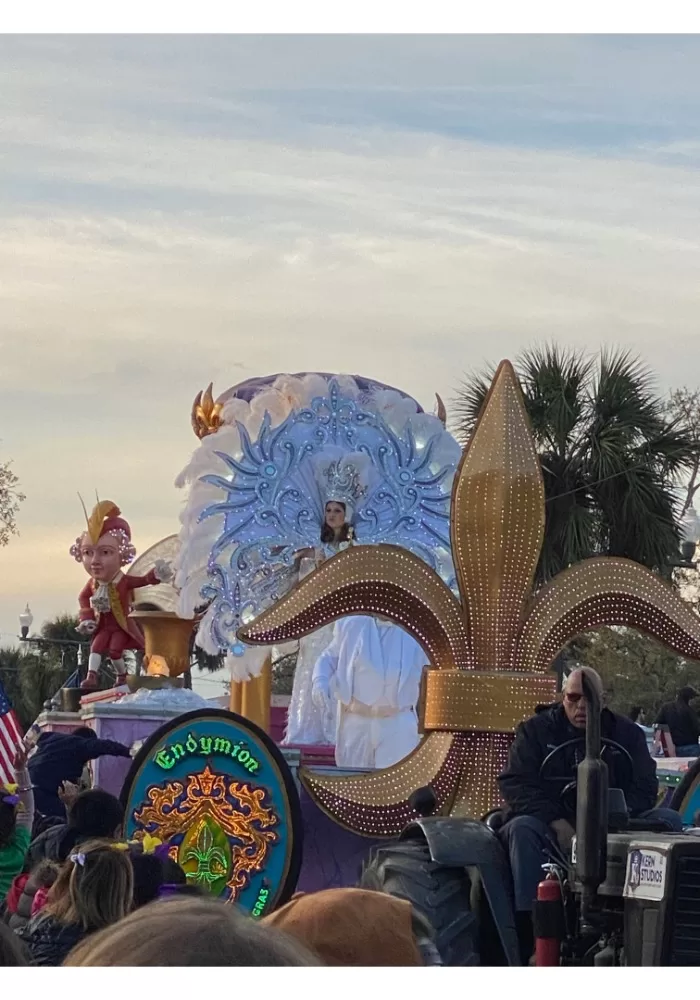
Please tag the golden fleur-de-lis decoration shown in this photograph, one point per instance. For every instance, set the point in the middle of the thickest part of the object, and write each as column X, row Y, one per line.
column 489, row 651
column 206, row 414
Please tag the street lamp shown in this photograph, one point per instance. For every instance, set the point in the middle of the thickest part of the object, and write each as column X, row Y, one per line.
column 25, row 622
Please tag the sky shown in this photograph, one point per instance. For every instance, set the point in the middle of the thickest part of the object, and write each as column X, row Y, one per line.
column 183, row 209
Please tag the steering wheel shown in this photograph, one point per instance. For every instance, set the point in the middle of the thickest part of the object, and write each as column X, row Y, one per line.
column 570, row 785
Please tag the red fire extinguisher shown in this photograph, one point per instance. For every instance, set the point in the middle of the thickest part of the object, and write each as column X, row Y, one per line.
column 548, row 919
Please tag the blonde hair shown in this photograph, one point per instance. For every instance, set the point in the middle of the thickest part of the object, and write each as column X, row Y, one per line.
column 189, row 931
column 95, row 887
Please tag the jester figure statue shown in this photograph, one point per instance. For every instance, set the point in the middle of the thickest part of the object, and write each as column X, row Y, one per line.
column 104, row 548
column 292, row 470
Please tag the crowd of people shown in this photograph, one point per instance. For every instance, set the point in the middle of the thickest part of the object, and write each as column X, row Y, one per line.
column 75, row 894
column 72, row 892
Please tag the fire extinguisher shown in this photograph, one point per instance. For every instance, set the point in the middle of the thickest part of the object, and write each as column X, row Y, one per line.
column 548, row 921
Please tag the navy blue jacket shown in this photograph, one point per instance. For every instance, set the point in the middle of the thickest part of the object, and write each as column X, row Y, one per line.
column 49, row 941
column 526, row 794
column 61, row 757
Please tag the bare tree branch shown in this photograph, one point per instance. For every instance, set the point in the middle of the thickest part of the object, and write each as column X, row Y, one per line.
column 10, row 499
column 683, row 406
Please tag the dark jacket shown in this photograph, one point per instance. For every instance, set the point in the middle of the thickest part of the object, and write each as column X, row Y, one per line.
column 61, row 757
column 682, row 721
column 49, row 941
column 526, row 794
column 54, row 844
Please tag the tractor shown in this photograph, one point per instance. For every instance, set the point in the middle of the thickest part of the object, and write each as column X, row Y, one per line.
column 629, row 895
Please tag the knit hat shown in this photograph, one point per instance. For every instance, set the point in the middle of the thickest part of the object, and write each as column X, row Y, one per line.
column 351, row 927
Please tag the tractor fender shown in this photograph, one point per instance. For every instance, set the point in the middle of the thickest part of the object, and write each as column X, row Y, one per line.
column 467, row 843
column 457, row 843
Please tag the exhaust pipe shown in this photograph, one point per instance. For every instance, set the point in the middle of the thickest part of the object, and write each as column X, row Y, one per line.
column 591, row 811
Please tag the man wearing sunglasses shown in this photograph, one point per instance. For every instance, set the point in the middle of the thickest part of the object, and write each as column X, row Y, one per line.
column 539, row 785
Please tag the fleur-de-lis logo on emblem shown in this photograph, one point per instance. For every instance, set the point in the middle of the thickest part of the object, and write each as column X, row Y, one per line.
column 211, row 861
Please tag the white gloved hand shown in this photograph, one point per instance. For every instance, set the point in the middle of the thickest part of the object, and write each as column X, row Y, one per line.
column 86, row 627
column 163, row 571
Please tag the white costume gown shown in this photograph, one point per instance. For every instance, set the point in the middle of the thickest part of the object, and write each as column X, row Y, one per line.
column 372, row 671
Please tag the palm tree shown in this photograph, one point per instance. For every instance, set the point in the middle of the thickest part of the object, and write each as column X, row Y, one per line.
column 611, row 456
column 29, row 679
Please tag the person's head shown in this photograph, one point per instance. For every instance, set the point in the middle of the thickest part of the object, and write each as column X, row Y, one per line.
column 686, row 695
column 151, row 873
column 12, row 951
column 574, row 702
column 106, row 546
column 335, row 515
column 335, row 526
column 189, row 930
column 102, row 559
column 423, row 801
column 96, row 813
column 45, row 873
column 637, row 714
column 85, row 733
column 94, row 889
column 353, row 927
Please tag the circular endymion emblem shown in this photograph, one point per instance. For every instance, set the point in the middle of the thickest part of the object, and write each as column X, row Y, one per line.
column 218, row 792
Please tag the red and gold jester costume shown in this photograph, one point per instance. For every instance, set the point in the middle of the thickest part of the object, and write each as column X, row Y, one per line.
column 105, row 601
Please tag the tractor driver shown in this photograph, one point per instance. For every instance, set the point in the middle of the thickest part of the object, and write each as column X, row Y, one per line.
column 540, row 814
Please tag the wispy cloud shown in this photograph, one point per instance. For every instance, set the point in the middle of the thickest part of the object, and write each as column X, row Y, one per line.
column 176, row 210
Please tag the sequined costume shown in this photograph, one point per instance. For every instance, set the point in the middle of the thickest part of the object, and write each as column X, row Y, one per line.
column 258, row 484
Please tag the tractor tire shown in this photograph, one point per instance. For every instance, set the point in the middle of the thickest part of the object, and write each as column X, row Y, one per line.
column 441, row 895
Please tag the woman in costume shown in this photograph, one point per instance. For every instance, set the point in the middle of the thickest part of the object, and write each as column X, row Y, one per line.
column 340, row 488
column 259, row 511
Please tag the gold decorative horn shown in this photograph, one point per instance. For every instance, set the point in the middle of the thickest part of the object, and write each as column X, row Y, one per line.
column 441, row 410
column 206, row 414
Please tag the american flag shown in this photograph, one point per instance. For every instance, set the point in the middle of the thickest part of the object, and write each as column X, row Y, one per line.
column 10, row 738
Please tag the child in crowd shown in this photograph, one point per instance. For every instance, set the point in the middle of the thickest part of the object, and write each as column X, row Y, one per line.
column 93, row 891
column 155, row 876
column 29, row 894
column 16, row 819
column 92, row 815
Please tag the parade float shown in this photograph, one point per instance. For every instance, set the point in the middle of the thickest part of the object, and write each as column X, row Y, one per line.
column 273, row 454
column 448, row 558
